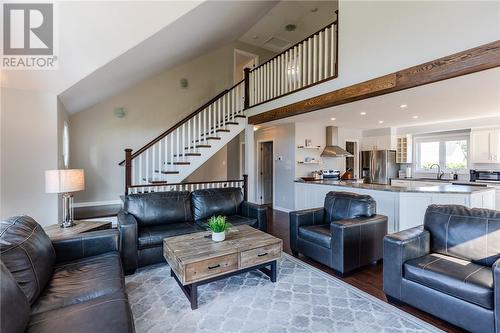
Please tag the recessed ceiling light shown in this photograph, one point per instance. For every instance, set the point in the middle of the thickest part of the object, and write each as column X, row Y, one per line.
column 333, row 118
column 415, row 117
column 255, row 128
column 363, row 113
column 380, row 121
column 402, row 106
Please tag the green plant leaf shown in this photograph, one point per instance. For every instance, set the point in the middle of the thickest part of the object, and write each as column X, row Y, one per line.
column 218, row 224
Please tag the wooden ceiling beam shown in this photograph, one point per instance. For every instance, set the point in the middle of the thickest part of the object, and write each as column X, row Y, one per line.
column 466, row 62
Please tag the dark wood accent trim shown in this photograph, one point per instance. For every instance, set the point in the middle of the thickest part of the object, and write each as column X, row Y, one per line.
column 246, row 78
column 165, row 172
column 222, row 130
column 190, row 183
column 245, row 187
column 240, row 116
column 466, row 62
column 128, row 168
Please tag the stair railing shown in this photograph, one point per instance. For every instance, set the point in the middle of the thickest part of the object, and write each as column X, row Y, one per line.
column 162, row 155
column 309, row 62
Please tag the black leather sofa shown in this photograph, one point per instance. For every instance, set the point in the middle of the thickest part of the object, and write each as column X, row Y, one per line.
column 345, row 234
column 71, row 285
column 449, row 267
column 146, row 219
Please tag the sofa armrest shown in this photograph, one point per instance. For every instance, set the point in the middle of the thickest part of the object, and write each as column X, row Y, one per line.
column 127, row 225
column 357, row 242
column 304, row 217
column 255, row 211
column 86, row 245
column 496, row 286
column 399, row 248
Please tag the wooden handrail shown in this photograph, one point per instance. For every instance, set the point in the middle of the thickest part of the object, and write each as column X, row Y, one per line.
column 189, row 183
column 174, row 127
column 294, row 45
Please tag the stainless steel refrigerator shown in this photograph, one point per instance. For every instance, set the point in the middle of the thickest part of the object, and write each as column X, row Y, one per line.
column 378, row 166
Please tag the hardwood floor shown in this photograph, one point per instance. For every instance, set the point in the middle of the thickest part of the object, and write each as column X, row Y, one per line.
column 368, row 279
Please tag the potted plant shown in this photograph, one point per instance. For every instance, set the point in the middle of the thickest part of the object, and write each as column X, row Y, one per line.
column 218, row 225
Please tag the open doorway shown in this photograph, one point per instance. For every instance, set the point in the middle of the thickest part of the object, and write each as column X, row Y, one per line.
column 266, row 172
column 242, row 60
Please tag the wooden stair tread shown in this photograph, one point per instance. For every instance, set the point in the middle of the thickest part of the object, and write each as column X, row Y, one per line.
column 198, row 146
column 187, row 154
column 167, row 172
column 222, row 130
column 179, row 163
column 240, row 116
column 153, row 181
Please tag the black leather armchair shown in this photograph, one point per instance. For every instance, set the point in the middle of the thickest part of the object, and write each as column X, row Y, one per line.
column 146, row 219
column 70, row 285
column 344, row 235
column 448, row 267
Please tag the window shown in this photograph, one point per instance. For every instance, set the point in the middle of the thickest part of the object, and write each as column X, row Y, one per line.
column 449, row 151
column 65, row 145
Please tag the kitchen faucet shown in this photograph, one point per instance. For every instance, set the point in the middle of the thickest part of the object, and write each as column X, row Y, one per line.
column 439, row 173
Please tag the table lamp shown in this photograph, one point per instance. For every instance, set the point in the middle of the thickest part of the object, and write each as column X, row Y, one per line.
column 65, row 181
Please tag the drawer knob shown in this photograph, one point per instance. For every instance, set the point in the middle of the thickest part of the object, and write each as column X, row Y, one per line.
column 212, row 267
column 262, row 254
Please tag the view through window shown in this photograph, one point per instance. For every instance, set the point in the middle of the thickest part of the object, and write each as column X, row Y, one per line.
column 450, row 152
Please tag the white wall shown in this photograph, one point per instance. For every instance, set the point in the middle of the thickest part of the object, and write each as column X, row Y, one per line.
column 98, row 138
column 381, row 37
column 284, row 165
column 29, row 146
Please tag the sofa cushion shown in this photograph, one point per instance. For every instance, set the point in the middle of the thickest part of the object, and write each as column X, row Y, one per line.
column 461, row 232
column 27, row 253
column 235, row 220
column 154, row 235
column 317, row 234
column 14, row 306
column 346, row 205
column 106, row 314
column 82, row 280
column 159, row 208
column 217, row 201
column 456, row 277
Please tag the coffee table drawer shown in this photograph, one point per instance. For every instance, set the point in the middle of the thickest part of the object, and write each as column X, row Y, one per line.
column 260, row 255
column 211, row 267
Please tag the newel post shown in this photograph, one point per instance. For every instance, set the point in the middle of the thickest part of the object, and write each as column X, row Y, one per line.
column 246, row 102
column 245, row 187
column 128, row 169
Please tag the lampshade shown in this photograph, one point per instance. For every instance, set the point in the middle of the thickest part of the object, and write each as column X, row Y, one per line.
column 63, row 181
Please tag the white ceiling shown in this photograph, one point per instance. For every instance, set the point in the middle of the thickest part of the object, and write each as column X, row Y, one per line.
column 92, row 33
column 471, row 96
column 208, row 26
column 308, row 16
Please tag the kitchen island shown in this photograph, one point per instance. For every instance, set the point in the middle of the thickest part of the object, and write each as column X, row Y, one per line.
column 403, row 205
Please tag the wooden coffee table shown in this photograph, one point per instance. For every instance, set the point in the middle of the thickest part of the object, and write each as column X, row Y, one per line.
column 195, row 259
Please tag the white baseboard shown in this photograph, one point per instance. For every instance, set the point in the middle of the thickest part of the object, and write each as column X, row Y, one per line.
column 281, row 209
column 97, row 203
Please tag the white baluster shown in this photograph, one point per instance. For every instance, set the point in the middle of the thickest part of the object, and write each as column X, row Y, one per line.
column 205, row 131
column 327, row 48
column 320, row 55
column 140, row 170
column 147, row 165
column 287, row 71
column 309, row 60
column 171, row 136
column 315, row 58
column 165, row 144
column 333, row 47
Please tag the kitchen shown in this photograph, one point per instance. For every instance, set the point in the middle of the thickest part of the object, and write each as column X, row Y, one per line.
column 415, row 136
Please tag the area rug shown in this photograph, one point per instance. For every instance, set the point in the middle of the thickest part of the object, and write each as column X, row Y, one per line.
column 304, row 299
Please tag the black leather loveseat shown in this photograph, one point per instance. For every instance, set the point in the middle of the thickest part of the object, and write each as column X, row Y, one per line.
column 72, row 285
column 345, row 234
column 146, row 219
column 449, row 267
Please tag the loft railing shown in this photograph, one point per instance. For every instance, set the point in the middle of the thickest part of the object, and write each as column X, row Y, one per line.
column 191, row 186
column 309, row 62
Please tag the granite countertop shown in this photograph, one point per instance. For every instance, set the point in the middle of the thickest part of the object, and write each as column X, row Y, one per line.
column 450, row 181
column 445, row 188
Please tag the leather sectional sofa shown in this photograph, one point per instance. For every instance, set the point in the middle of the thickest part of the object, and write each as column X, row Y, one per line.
column 72, row 285
column 345, row 234
column 146, row 219
column 449, row 267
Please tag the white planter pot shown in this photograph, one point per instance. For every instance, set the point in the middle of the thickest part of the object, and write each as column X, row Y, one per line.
column 218, row 236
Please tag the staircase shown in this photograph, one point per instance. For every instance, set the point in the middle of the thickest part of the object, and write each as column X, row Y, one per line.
column 175, row 154
column 166, row 161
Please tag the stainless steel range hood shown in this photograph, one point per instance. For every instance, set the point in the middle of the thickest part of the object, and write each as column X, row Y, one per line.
column 332, row 149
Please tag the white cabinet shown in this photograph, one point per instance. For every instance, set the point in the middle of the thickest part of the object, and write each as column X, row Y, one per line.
column 485, row 145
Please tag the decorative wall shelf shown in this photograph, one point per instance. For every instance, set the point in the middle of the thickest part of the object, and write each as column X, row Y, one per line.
column 310, row 147
column 312, row 162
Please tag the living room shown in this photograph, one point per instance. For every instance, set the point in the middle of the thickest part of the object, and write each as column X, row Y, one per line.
column 165, row 172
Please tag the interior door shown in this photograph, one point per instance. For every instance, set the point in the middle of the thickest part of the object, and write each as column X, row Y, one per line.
column 266, row 172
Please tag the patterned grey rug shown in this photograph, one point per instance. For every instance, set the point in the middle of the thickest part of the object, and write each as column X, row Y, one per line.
column 304, row 299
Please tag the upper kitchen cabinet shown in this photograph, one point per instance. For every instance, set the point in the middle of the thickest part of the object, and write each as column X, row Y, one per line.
column 404, row 149
column 485, row 145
